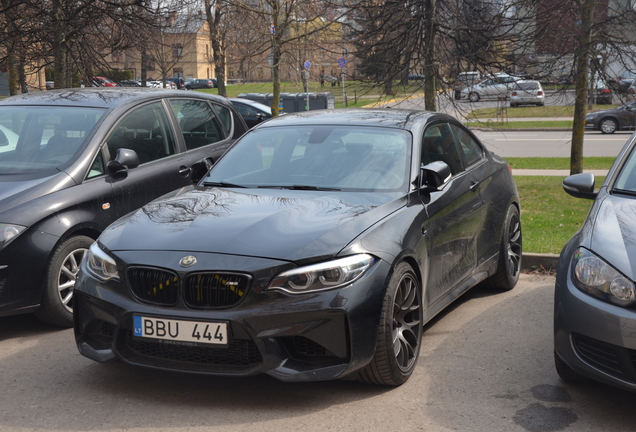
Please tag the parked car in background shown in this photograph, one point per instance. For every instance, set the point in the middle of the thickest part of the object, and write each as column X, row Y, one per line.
column 200, row 84
column 415, row 77
column 595, row 296
column 129, row 83
column 177, row 82
column 602, row 92
column 316, row 248
column 465, row 79
column 632, row 88
column 252, row 112
column 495, row 86
column 103, row 82
column 50, row 85
column 527, row 92
column 610, row 120
column 74, row 160
column 625, row 80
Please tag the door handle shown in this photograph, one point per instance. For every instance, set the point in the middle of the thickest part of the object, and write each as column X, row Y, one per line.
column 474, row 185
column 185, row 171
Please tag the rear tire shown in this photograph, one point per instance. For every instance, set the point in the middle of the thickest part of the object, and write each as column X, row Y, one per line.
column 510, row 250
column 56, row 307
column 399, row 331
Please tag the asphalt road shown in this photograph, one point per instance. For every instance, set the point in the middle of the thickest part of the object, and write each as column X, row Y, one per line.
column 486, row 365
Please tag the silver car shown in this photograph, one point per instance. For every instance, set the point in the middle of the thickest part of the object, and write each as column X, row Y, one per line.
column 595, row 295
column 527, row 92
column 494, row 87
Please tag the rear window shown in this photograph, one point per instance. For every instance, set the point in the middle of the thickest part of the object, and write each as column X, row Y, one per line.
column 528, row 86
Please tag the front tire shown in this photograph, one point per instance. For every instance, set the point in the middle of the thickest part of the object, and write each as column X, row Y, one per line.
column 399, row 331
column 473, row 97
column 510, row 250
column 608, row 125
column 56, row 307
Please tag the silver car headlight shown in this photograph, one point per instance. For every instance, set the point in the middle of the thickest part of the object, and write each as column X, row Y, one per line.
column 100, row 264
column 323, row 276
column 596, row 277
column 8, row 232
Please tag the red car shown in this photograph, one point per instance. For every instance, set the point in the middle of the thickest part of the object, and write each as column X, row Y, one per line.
column 103, row 82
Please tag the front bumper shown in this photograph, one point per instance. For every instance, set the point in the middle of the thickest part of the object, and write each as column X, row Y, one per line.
column 309, row 337
column 595, row 338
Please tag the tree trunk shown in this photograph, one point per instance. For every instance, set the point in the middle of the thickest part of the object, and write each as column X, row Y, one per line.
column 276, row 76
column 59, row 47
column 430, row 92
column 582, row 72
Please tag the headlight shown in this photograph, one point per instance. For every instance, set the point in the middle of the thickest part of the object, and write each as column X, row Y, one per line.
column 590, row 116
column 323, row 276
column 100, row 264
column 594, row 276
column 9, row 232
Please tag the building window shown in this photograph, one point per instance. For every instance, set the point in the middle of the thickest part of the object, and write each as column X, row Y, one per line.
column 177, row 50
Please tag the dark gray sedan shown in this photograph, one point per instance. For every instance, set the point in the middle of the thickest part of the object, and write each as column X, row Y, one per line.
column 315, row 248
column 595, row 296
column 611, row 120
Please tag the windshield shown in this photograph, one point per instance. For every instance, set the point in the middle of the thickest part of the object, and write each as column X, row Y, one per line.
column 43, row 138
column 626, row 180
column 317, row 157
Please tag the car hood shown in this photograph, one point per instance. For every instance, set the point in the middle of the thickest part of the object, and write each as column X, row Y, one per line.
column 614, row 235
column 16, row 190
column 601, row 112
column 281, row 224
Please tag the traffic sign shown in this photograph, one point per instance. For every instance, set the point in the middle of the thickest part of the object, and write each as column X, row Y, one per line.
column 307, row 64
column 342, row 62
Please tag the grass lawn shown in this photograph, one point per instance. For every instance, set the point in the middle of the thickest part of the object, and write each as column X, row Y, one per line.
column 522, row 124
column 558, row 162
column 549, row 216
column 544, row 111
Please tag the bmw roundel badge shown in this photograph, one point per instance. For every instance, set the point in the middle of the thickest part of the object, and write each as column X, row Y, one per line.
column 188, row 261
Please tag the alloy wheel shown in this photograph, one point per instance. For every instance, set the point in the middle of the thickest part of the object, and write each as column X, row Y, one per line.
column 68, row 275
column 514, row 245
column 608, row 126
column 407, row 325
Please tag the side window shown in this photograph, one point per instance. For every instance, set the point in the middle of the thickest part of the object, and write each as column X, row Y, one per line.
column 146, row 131
column 468, row 147
column 245, row 110
column 439, row 145
column 98, row 168
column 198, row 122
column 226, row 116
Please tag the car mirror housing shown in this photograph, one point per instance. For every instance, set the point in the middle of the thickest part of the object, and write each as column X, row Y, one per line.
column 580, row 185
column 434, row 176
column 125, row 159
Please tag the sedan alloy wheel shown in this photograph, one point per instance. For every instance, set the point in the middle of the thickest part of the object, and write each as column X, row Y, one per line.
column 608, row 126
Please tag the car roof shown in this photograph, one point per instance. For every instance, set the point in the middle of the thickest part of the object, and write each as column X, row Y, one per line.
column 101, row 97
column 383, row 117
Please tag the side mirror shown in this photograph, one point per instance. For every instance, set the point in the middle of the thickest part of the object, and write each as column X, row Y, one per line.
column 125, row 159
column 435, row 175
column 580, row 185
column 200, row 169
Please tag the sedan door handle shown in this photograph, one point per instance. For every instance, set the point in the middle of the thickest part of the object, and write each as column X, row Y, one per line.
column 474, row 185
column 185, row 171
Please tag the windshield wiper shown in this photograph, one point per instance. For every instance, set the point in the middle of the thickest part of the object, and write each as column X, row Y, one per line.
column 300, row 187
column 222, row 184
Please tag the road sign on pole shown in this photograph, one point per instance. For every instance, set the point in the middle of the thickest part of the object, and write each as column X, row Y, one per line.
column 342, row 62
column 307, row 64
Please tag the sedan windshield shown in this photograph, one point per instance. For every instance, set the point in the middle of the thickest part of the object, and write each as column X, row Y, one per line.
column 626, row 180
column 41, row 138
column 317, row 158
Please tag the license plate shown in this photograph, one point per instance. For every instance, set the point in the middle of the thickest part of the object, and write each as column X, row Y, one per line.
column 180, row 332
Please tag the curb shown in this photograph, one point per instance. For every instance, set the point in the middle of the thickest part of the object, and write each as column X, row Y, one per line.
column 539, row 261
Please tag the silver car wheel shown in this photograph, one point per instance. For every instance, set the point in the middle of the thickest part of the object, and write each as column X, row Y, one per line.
column 68, row 275
column 608, row 126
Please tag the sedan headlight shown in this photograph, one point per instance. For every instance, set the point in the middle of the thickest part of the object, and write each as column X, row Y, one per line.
column 100, row 264
column 594, row 276
column 323, row 276
column 8, row 232
column 590, row 116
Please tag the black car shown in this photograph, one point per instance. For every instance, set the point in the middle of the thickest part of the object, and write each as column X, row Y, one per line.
column 73, row 161
column 178, row 82
column 595, row 290
column 252, row 112
column 200, row 84
column 625, row 80
column 315, row 248
column 610, row 120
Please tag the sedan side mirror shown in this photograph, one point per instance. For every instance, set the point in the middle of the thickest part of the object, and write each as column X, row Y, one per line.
column 435, row 175
column 125, row 159
column 580, row 185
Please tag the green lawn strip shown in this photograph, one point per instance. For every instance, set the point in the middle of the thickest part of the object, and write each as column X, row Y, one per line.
column 540, row 124
column 549, row 216
column 558, row 162
column 534, row 111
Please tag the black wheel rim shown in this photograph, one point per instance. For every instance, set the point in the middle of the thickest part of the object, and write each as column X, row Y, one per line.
column 407, row 322
column 514, row 246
